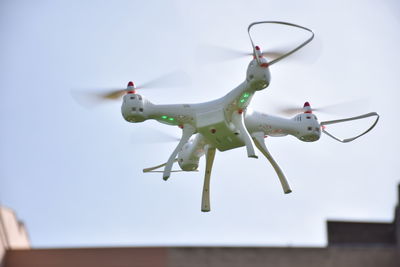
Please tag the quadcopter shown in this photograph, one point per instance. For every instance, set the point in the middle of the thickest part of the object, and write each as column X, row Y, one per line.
column 227, row 123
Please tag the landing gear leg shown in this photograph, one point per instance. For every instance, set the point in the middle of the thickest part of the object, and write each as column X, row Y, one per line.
column 258, row 138
column 205, row 202
column 187, row 132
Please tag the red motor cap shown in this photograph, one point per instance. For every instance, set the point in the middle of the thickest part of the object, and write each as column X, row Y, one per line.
column 130, row 84
column 257, row 48
column 307, row 108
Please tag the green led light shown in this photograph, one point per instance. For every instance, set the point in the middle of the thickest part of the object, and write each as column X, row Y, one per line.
column 246, row 95
column 164, row 117
column 242, row 100
column 171, row 119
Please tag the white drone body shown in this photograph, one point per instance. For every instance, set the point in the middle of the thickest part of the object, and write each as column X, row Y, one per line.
column 227, row 123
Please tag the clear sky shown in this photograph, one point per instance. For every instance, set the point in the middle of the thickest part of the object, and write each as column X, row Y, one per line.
column 74, row 176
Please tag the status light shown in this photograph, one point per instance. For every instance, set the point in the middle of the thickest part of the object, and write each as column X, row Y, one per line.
column 164, row 117
column 171, row 119
column 246, row 95
column 241, row 100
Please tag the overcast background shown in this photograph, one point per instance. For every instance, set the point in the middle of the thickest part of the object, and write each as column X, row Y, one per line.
column 74, row 175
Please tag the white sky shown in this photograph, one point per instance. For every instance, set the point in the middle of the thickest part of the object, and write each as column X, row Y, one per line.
column 74, row 174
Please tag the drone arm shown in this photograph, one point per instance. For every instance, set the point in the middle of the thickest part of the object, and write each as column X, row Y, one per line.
column 238, row 121
column 258, row 138
column 187, row 132
column 205, row 201
column 350, row 119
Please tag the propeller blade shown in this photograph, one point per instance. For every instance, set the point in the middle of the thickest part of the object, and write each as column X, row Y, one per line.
column 113, row 94
column 172, row 79
column 214, row 53
column 92, row 98
column 272, row 54
column 207, row 54
column 338, row 108
column 289, row 111
column 344, row 107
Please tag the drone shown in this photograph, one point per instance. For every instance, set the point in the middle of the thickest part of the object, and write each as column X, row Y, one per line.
column 227, row 123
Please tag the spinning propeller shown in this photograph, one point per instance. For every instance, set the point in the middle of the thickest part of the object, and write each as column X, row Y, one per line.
column 116, row 94
column 343, row 107
column 213, row 53
column 172, row 79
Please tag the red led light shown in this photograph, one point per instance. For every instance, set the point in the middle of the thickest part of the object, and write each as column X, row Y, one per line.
column 131, row 92
column 181, row 126
column 213, row 131
column 240, row 111
column 264, row 65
